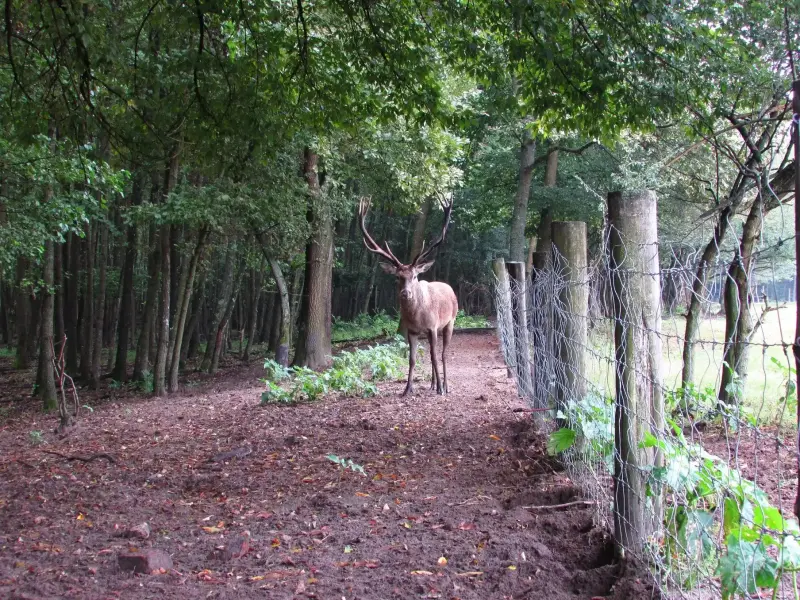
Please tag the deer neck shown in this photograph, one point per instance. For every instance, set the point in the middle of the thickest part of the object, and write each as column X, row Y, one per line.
column 412, row 304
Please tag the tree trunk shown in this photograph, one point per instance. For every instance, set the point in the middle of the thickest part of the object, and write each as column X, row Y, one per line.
column 126, row 308
column 419, row 228
column 285, row 324
column 184, row 298
column 544, row 232
column 223, row 325
column 256, row 280
column 162, row 325
column 226, row 289
column 693, row 312
column 314, row 339
column 87, row 318
column 295, row 295
column 738, row 319
column 71, row 303
column 100, row 308
column 371, row 286
column 46, row 377
column 22, row 308
column 141, row 363
column 519, row 218
column 58, row 285
column 191, row 337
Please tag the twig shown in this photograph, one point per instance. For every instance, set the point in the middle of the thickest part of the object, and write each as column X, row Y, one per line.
column 565, row 505
column 85, row 459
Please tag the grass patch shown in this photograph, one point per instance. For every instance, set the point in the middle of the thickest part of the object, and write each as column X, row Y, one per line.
column 366, row 326
column 764, row 395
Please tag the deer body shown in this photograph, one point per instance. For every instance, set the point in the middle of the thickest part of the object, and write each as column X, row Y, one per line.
column 426, row 308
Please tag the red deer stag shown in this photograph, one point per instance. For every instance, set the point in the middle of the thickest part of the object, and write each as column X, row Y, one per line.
column 426, row 308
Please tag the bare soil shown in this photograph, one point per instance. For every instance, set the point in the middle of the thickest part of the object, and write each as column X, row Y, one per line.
column 456, row 502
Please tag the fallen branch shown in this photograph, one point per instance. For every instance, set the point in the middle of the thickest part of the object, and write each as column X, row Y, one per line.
column 565, row 505
column 533, row 410
column 84, row 459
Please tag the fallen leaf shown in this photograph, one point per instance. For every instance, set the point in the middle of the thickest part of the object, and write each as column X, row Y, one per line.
column 421, row 573
column 362, row 494
column 442, row 561
column 213, row 529
column 348, row 549
column 470, row 573
column 275, row 542
column 369, row 564
column 257, row 578
column 512, row 568
column 466, row 526
column 494, row 437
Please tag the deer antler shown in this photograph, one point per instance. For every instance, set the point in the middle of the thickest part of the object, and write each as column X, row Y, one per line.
column 371, row 244
column 425, row 253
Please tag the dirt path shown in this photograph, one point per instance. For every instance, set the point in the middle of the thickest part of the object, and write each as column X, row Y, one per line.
column 440, row 514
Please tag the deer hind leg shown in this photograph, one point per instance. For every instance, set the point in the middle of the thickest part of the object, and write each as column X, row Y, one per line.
column 447, row 334
column 436, row 381
column 412, row 362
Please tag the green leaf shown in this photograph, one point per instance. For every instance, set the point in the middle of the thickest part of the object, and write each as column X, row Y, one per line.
column 561, row 440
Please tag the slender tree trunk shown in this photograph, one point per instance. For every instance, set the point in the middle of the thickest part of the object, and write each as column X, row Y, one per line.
column 100, row 309
column 22, row 306
column 87, row 318
column 46, row 377
column 256, row 281
column 126, row 308
column 58, row 285
column 371, row 286
column 693, row 312
column 162, row 325
column 71, row 303
column 141, row 363
column 419, row 227
column 226, row 290
column 285, row 324
column 738, row 320
column 191, row 337
column 295, row 295
column 314, row 340
column 223, row 325
column 184, row 299
column 519, row 217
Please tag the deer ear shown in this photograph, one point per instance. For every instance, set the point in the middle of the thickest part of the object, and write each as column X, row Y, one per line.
column 422, row 267
column 390, row 269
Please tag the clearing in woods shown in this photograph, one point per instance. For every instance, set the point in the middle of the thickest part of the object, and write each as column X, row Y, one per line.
column 441, row 514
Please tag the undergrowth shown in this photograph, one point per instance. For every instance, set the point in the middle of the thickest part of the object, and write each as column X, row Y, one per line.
column 717, row 524
column 366, row 326
column 346, row 375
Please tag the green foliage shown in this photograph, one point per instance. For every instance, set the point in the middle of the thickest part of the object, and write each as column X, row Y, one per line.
column 589, row 430
column 346, row 463
column 145, row 384
column 465, row 321
column 364, row 327
column 346, row 375
column 36, row 437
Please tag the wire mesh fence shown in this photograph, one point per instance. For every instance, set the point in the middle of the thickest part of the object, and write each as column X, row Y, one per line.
column 694, row 470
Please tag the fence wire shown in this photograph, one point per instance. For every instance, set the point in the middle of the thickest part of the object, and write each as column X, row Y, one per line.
column 706, row 471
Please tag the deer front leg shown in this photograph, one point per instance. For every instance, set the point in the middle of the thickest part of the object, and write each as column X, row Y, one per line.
column 436, row 381
column 412, row 362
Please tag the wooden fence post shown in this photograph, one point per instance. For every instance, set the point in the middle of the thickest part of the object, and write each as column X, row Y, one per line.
column 570, row 312
column 505, row 323
column 540, row 317
column 516, row 273
column 639, row 409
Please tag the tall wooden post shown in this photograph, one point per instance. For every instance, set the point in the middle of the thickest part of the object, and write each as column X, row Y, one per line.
column 796, row 346
column 505, row 323
column 570, row 312
column 516, row 276
column 639, row 408
column 540, row 317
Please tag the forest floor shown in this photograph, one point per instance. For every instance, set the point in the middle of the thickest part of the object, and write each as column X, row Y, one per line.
column 444, row 511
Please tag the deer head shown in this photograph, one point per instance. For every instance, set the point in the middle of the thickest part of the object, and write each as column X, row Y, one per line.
column 407, row 281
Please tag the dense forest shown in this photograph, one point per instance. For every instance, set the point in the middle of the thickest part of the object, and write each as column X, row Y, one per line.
column 179, row 180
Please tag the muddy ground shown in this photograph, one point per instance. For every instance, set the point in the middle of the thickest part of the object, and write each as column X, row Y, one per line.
column 456, row 501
